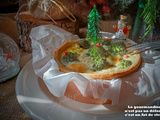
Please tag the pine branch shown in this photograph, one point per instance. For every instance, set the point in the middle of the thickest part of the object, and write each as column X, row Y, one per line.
column 149, row 15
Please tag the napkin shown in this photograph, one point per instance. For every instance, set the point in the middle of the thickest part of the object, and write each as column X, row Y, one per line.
column 132, row 89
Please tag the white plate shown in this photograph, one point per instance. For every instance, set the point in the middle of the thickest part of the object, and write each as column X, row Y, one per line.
column 39, row 106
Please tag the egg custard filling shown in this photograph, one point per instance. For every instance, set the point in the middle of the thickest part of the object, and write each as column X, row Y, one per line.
column 105, row 60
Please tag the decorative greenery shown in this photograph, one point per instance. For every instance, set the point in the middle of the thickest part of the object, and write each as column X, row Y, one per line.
column 93, row 27
column 149, row 14
column 94, row 36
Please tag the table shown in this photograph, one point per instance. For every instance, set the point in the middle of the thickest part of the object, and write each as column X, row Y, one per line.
column 10, row 109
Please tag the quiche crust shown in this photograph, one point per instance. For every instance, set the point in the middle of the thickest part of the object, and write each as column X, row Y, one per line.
column 103, row 74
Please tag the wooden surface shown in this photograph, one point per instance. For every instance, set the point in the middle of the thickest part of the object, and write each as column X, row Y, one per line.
column 10, row 109
column 25, row 22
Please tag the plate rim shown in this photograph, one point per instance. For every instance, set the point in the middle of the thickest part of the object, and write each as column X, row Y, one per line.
column 32, row 115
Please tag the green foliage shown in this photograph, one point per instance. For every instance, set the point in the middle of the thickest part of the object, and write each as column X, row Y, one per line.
column 149, row 15
column 124, row 64
column 93, row 34
column 118, row 48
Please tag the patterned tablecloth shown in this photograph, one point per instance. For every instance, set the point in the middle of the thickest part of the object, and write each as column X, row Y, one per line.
column 10, row 109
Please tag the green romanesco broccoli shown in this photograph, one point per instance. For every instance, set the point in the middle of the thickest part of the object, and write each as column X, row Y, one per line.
column 98, row 58
column 69, row 57
column 124, row 63
column 106, row 42
column 118, row 48
column 83, row 44
column 96, row 51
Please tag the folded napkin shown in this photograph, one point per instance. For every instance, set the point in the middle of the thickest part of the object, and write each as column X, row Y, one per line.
column 132, row 89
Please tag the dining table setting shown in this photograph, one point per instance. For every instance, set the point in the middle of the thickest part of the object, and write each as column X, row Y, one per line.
column 10, row 108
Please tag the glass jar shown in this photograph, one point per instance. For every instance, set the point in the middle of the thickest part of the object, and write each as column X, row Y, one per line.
column 9, row 58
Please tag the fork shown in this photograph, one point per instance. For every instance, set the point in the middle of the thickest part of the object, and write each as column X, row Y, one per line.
column 144, row 47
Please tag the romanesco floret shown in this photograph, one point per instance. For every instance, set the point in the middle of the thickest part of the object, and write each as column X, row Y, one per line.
column 83, row 44
column 106, row 42
column 99, row 64
column 118, row 48
column 69, row 57
column 124, row 63
column 96, row 51
column 98, row 58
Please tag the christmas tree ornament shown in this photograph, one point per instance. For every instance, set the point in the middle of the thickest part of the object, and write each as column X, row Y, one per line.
column 122, row 29
column 94, row 34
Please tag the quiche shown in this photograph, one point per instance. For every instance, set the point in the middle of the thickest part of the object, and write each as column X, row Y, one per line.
column 105, row 60
column 96, row 58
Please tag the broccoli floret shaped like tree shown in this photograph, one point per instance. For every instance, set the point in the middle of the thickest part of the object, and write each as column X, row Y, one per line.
column 98, row 58
column 124, row 63
column 118, row 48
column 93, row 26
column 69, row 57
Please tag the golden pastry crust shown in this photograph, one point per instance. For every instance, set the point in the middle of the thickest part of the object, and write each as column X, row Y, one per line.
column 104, row 75
column 109, row 76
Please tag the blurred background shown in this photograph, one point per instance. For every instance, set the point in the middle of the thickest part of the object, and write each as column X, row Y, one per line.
column 9, row 6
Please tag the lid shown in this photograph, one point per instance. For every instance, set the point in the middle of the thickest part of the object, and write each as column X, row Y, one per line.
column 9, row 58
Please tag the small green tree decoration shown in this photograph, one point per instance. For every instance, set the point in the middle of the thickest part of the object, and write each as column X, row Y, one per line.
column 94, row 36
column 93, row 26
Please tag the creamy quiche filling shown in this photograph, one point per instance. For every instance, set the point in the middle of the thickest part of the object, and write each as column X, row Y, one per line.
column 78, row 57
